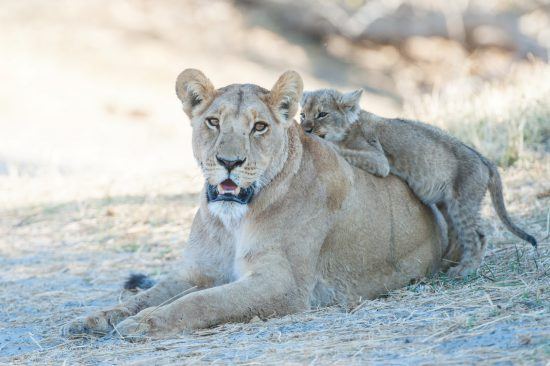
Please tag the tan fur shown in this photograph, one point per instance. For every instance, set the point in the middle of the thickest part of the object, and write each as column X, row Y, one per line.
column 438, row 168
column 317, row 231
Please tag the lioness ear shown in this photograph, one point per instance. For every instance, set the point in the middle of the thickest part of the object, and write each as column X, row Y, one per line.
column 285, row 95
column 193, row 89
column 349, row 103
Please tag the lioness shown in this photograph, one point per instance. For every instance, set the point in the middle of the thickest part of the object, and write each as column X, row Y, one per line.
column 284, row 222
column 438, row 167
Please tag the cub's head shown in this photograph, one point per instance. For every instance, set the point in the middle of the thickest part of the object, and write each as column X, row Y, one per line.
column 328, row 113
column 239, row 134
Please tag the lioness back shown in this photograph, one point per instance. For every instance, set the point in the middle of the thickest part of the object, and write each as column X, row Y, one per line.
column 393, row 241
column 439, row 168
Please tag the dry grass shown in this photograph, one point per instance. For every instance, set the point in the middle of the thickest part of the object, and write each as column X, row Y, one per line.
column 62, row 260
column 506, row 120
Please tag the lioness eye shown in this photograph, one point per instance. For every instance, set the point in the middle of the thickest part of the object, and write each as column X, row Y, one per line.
column 322, row 115
column 260, row 126
column 302, row 116
column 212, row 122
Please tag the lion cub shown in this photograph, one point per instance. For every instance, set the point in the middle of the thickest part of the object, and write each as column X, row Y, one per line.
column 438, row 168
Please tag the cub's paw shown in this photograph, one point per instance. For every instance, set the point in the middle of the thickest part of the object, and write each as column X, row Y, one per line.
column 96, row 325
column 381, row 170
column 461, row 271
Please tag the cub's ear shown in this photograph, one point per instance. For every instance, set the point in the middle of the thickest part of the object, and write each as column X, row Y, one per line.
column 303, row 100
column 285, row 95
column 193, row 89
column 349, row 103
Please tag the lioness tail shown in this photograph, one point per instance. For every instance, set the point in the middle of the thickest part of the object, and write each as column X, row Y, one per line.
column 138, row 281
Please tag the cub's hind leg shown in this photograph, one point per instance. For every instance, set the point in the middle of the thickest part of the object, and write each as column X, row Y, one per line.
column 483, row 241
column 464, row 217
column 453, row 252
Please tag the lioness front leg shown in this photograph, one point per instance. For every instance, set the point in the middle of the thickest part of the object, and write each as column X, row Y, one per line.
column 204, row 261
column 373, row 161
column 102, row 322
column 267, row 290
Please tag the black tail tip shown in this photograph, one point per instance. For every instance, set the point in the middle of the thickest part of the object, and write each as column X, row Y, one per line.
column 533, row 241
column 138, row 281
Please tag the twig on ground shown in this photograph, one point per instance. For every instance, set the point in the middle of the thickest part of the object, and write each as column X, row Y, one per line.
column 35, row 341
column 491, row 322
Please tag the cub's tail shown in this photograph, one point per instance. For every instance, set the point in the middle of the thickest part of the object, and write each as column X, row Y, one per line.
column 495, row 187
column 138, row 281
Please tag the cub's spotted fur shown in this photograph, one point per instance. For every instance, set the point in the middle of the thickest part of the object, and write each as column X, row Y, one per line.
column 439, row 168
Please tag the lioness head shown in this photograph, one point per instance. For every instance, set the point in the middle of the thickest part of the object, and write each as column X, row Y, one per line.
column 328, row 113
column 239, row 134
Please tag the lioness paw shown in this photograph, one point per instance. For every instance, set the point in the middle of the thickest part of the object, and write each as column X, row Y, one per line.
column 97, row 325
column 147, row 323
column 85, row 327
column 133, row 329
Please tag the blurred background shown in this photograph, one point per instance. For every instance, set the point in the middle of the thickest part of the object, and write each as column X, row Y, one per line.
column 87, row 86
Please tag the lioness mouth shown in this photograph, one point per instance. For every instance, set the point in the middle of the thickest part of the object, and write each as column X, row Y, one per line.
column 228, row 187
column 229, row 191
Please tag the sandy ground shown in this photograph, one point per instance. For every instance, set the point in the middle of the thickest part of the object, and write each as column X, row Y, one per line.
column 97, row 181
column 65, row 258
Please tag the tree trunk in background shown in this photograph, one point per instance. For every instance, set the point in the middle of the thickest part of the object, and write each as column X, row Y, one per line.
column 521, row 28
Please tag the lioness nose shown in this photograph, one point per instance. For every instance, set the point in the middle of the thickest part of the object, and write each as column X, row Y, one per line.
column 230, row 164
